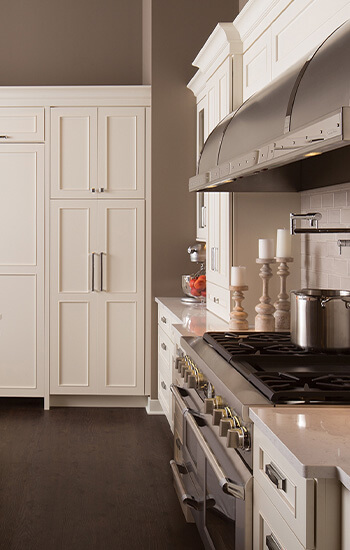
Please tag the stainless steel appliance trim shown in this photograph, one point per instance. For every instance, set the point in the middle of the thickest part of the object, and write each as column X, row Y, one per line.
column 187, row 499
column 272, row 543
column 228, row 486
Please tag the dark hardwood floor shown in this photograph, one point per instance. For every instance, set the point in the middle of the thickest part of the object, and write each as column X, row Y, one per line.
column 87, row 479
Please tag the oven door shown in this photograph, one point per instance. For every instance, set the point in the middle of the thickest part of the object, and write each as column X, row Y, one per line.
column 216, row 484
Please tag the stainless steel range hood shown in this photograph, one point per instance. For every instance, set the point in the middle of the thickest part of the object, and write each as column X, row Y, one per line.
column 272, row 142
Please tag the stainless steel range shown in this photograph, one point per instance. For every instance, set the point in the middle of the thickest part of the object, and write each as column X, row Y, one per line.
column 222, row 375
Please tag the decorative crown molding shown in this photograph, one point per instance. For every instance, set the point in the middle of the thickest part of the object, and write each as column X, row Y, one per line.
column 257, row 16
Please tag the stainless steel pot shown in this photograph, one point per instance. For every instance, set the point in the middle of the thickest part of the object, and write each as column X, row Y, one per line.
column 320, row 319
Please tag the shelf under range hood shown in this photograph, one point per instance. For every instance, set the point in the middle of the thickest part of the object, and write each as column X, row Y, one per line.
column 274, row 141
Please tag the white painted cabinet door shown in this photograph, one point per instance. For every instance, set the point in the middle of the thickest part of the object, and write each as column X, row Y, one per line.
column 121, row 152
column 22, row 270
column 121, row 297
column 73, row 152
column 219, row 245
column 73, row 297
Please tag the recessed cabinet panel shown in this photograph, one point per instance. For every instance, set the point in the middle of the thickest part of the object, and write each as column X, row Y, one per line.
column 74, row 321
column 74, row 257
column 21, row 124
column 121, row 344
column 18, row 204
column 74, row 157
column 18, row 333
column 121, row 143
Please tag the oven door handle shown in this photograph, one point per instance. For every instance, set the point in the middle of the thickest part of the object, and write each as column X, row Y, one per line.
column 185, row 497
column 227, row 485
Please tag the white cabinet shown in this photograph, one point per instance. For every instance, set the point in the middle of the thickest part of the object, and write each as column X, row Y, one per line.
column 98, row 151
column 345, row 519
column 21, row 124
column 166, row 352
column 97, row 297
column 21, row 267
column 299, row 513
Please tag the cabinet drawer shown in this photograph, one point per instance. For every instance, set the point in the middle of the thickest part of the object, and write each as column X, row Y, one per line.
column 165, row 346
column 219, row 301
column 164, row 394
column 21, row 124
column 291, row 494
column 269, row 528
column 165, row 320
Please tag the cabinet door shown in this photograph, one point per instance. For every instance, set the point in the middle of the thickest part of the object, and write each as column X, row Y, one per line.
column 73, row 297
column 121, row 152
column 201, row 198
column 219, row 246
column 121, row 297
column 73, row 152
column 22, row 270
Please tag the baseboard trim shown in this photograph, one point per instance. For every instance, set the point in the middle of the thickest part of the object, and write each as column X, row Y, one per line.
column 154, row 407
column 136, row 401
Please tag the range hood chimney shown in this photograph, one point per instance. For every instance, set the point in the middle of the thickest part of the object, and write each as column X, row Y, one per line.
column 292, row 135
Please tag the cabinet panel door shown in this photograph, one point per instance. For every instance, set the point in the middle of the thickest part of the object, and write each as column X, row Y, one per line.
column 22, row 270
column 121, row 297
column 121, row 152
column 73, row 152
column 73, row 307
column 219, row 248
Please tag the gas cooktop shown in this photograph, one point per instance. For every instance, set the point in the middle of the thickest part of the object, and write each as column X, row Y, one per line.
column 283, row 372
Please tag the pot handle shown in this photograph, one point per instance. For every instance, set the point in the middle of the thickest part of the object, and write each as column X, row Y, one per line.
column 345, row 300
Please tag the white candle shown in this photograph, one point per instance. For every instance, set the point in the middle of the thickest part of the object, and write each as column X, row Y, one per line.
column 238, row 276
column 284, row 244
column 266, row 249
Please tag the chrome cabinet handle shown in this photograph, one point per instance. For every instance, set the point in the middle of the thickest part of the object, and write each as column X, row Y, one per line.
column 101, row 268
column 216, row 259
column 163, row 346
column 227, row 485
column 272, row 543
column 101, row 189
column 203, row 220
column 163, row 319
column 163, row 384
column 93, row 272
column 275, row 477
column 4, row 137
column 212, row 266
column 216, row 300
column 93, row 190
column 185, row 497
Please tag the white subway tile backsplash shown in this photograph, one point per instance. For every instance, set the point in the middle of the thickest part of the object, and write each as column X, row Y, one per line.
column 340, row 267
column 315, row 201
column 305, row 203
column 340, row 198
column 333, row 215
column 345, row 283
column 327, row 200
column 332, row 249
column 334, row 282
column 345, row 215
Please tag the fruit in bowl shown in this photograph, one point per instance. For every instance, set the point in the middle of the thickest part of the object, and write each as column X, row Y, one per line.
column 194, row 285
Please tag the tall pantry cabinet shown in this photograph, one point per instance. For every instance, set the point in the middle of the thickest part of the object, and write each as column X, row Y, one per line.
column 73, row 266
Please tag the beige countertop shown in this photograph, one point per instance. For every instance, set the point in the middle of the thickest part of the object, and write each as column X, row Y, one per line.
column 192, row 319
column 315, row 440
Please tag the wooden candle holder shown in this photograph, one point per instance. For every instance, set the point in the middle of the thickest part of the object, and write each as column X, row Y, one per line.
column 282, row 305
column 238, row 317
column 264, row 320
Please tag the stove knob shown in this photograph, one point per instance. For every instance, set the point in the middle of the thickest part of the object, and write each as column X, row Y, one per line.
column 183, row 370
column 209, row 404
column 187, row 374
column 238, row 438
column 192, row 381
column 179, row 361
column 217, row 416
column 224, row 426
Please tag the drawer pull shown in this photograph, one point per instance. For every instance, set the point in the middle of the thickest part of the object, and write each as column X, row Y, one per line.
column 178, row 443
column 272, row 543
column 4, row 137
column 163, row 384
column 163, row 319
column 274, row 475
column 163, row 346
column 216, row 300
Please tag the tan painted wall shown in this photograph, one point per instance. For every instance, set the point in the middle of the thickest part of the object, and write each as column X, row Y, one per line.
column 70, row 42
column 179, row 30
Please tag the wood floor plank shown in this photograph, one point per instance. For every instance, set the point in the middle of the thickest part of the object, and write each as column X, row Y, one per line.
column 87, row 479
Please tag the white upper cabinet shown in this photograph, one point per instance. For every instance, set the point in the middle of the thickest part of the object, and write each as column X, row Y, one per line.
column 21, row 124
column 97, row 152
column 121, row 152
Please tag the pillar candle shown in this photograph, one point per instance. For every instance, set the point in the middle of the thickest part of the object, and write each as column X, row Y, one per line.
column 284, row 244
column 238, row 276
column 266, row 249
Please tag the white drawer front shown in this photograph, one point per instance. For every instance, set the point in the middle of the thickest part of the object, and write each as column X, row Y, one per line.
column 164, row 320
column 21, row 124
column 268, row 526
column 165, row 348
column 219, row 301
column 294, row 495
column 164, row 394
